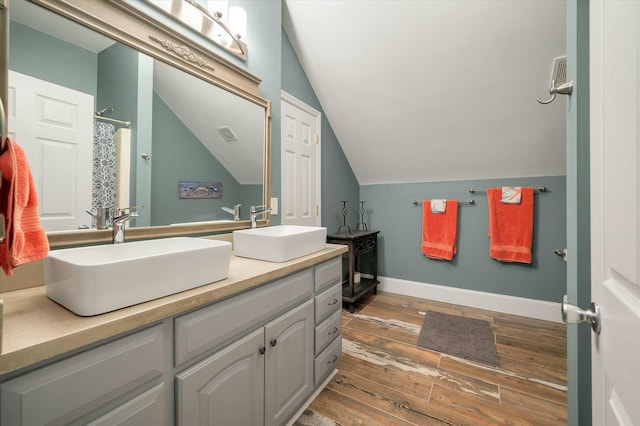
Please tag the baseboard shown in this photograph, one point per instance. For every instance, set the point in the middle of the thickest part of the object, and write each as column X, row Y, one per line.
column 539, row 309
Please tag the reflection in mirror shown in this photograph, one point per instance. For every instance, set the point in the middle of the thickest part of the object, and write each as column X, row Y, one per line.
column 83, row 157
column 208, row 18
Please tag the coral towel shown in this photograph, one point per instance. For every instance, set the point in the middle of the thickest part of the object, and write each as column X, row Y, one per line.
column 439, row 231
column 510, row 226
column 25, row 240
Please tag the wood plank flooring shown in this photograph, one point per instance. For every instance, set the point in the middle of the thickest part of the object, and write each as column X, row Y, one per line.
column 385, row 379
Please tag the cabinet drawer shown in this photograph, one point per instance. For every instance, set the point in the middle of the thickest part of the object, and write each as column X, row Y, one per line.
column 147, row 408
column 327, row 360
column 204, row 329
column 328, row 273
column 328, row 330
column 328, row 302
column 62, row 392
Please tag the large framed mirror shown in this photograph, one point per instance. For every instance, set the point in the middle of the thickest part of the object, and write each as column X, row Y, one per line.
column 116, row 107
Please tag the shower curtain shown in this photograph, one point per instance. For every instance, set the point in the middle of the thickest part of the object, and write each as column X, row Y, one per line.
column 103, row 192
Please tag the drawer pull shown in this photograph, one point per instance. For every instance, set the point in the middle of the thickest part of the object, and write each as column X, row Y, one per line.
column 261, row 350
column 334, row 302
column 334, row 331
column 335, row 358
column 273, row 342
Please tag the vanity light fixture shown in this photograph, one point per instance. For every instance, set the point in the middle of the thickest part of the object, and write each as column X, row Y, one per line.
column 208, row 17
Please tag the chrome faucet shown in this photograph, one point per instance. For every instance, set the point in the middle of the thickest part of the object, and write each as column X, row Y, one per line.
column 102, row 215
column 119, row 219
column 255, row 211
column 235, row 212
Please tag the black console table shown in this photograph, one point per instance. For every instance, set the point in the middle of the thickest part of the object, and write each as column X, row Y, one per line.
column 359, row 243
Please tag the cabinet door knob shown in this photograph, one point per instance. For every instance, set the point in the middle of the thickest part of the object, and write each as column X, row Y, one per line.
column 261, row 350
column 334, row 331
column 335, row 358
column 333, row 302
column 273, row 342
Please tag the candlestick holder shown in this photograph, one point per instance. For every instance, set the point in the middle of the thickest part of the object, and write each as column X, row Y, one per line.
column 344, row 218
column 364, row 225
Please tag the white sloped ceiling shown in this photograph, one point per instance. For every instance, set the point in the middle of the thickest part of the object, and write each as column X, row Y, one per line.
column 428, row 90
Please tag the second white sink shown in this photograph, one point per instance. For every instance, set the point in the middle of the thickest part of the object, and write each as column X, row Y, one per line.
column 279, row 243
column 98, row 279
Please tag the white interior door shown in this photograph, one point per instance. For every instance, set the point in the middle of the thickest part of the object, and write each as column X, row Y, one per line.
column 615, row 212
column 54, row 126
column 300, row 163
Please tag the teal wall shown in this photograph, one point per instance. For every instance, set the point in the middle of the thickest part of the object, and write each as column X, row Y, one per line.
column 48, row 58
column 118, row 89
column 187, row 161
column 390, row 210
column 338, row 180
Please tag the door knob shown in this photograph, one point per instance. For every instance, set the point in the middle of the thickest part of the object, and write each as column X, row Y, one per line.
column 572, row 314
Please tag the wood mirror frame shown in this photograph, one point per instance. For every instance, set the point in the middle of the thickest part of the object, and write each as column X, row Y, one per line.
column 128, row 25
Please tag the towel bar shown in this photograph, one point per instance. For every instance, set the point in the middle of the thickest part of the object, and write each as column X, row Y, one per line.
column 538, row 189
column 470, row 202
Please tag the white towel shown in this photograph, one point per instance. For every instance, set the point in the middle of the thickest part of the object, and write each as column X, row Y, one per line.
column 511, row 194
column 438, row 206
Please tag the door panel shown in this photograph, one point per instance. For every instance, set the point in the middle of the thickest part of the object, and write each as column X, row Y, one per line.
column 58, row 142
column 615, row 211
column 300, row 166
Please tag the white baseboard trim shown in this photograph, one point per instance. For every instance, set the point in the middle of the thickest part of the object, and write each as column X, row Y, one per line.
column 539, row 309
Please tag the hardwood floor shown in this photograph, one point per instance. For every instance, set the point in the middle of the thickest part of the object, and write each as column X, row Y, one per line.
column 385, row 379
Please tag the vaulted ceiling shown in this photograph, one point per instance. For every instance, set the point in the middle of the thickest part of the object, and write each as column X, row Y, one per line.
column 436, row 90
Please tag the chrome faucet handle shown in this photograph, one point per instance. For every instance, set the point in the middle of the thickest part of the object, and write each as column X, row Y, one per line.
column 253, row 212
column 121, row 211
column 259, row 209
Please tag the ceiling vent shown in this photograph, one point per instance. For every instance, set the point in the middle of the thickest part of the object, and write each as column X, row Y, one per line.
column 227, row 134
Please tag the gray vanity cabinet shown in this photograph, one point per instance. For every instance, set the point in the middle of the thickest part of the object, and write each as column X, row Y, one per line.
column 116, row 383
column 254, row 358
column 260, row 379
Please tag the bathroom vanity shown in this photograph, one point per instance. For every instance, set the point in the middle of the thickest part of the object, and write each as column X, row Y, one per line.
column 253, row 349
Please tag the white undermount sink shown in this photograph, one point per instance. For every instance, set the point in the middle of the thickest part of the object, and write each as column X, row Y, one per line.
column 98, row 279
column 279, row 243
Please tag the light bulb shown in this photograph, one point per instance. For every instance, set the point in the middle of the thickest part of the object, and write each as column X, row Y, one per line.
column 238, row 21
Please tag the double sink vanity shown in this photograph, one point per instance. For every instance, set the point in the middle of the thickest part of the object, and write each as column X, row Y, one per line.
column 251, row 345
column 176, row 326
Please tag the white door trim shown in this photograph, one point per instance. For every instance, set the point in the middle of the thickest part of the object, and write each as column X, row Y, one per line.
column 292, row 100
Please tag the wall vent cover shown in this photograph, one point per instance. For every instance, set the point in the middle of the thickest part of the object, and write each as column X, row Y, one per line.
column 227, row 134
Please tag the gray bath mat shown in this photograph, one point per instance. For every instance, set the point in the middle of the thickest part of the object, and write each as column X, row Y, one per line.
column 463, row 337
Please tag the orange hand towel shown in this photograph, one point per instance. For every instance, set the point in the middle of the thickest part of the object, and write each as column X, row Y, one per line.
column 510, row 227
column 25, row 240
column 439, row 231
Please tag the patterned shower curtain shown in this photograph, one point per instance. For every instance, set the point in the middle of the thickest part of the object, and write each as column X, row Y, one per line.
column 104, row 166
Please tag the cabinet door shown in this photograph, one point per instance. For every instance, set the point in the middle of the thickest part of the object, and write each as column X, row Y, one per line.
column 77, row 387
column 225, row 389
column 289, row 363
